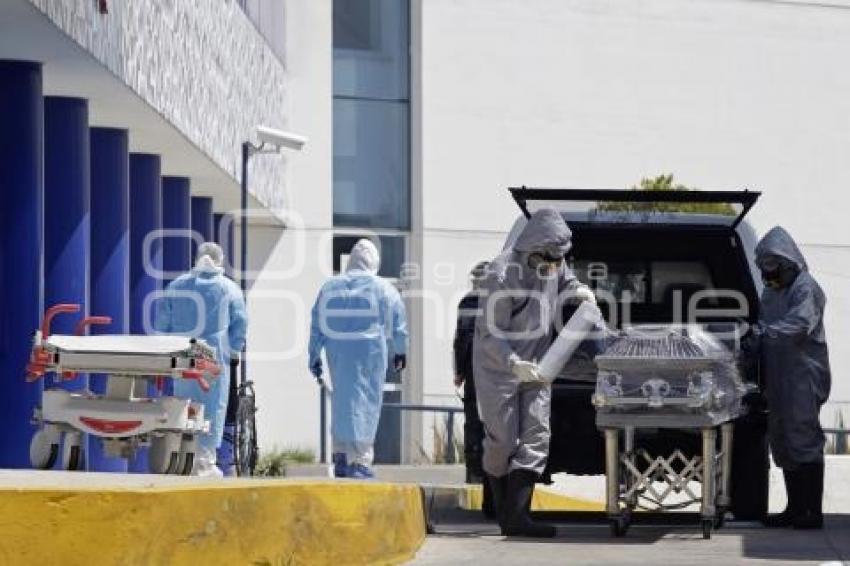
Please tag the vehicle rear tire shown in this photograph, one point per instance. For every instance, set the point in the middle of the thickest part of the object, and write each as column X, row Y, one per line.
column 750, row 468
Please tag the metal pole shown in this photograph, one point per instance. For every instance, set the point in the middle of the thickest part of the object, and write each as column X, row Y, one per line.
column 628, row 480
column 323, row 425
column 709, row 472
column 450, row 439
column 243, row 245
column 726, row 464
column 612, row 468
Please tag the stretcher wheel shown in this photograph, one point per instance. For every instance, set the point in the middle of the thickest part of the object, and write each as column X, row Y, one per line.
column 188, row 446
column 188, row 462
column 720, row 519
column 707, row 525
column 72, row 453
column 164, row 455
column 619, row 526
column 44, row 449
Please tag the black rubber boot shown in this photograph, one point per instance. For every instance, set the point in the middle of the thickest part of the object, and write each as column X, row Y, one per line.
column 497, row 496
column 811, row 503
column 792, row 490
column 516, row 517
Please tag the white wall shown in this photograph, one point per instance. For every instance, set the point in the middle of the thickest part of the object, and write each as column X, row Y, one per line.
column 294, row 261
column 725, row 94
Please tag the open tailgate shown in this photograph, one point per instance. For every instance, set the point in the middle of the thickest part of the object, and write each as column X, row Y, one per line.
column 723, row 208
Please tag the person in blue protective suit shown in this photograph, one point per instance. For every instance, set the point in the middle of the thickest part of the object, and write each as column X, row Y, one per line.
column 359, row 320
column 791, row 344
column 206, row 304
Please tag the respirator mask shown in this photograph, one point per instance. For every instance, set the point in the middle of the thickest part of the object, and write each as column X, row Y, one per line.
column 545, row 263
column 777, row 273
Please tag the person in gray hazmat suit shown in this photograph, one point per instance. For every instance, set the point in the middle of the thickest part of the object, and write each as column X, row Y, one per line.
column 791, row 342
column 524, row 289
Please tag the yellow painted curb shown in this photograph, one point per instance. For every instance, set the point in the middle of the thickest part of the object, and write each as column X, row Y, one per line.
column 235, row 522
column 544, row 499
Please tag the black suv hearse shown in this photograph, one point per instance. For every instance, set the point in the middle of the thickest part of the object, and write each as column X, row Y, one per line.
column 655, row 255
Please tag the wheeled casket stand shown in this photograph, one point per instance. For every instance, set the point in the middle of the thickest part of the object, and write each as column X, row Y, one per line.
column 667, row 377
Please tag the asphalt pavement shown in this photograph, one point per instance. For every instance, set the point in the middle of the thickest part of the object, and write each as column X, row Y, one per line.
column 463, row 537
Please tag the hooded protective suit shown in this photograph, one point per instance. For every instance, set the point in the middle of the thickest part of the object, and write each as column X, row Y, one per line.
column 518, row 311
column 206, row 304
column 794, row 358
column 357, row 318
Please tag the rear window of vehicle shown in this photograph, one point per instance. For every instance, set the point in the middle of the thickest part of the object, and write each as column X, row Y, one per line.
column 655, row 282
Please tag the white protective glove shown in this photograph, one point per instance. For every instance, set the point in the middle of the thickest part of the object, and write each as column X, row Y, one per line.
column 526, row 372
column 584, row 293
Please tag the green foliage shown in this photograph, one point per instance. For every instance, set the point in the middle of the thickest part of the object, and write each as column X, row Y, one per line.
column 441, row 455
column 273, row 464
column 666, row 183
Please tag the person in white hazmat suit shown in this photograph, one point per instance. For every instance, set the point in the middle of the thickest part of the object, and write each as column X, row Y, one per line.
column 525, row 288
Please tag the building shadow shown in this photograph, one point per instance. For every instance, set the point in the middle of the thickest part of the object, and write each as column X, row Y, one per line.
column 789, row 545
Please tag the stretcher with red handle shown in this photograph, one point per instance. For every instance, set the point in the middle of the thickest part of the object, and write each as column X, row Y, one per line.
column 125, row 417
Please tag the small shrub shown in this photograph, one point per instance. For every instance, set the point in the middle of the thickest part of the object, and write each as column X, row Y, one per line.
column 274, row 462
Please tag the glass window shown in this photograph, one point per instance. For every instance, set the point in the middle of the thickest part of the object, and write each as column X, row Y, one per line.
column 686, row 277
column 371, row 164
column 623, row 280
column 371, row 39
column 644, row 282
column 268, row 16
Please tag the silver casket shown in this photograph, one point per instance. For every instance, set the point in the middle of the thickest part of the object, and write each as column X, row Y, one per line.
column 667, row 376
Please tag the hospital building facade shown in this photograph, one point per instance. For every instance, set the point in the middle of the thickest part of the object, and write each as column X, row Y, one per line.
column 122, row 119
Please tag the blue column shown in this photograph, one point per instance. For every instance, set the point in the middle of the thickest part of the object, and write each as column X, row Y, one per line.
column 176, row 215
column 66, row 212
column 177, row 248
column 145, row 261
column 202, row 220
column 223, row 234
column 110, row 254
column 21, row 250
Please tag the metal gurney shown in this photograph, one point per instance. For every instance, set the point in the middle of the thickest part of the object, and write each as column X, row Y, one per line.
column 125, row 416
column 667, row 377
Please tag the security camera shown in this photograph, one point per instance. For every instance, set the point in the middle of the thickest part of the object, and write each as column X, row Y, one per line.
column 280, row 139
